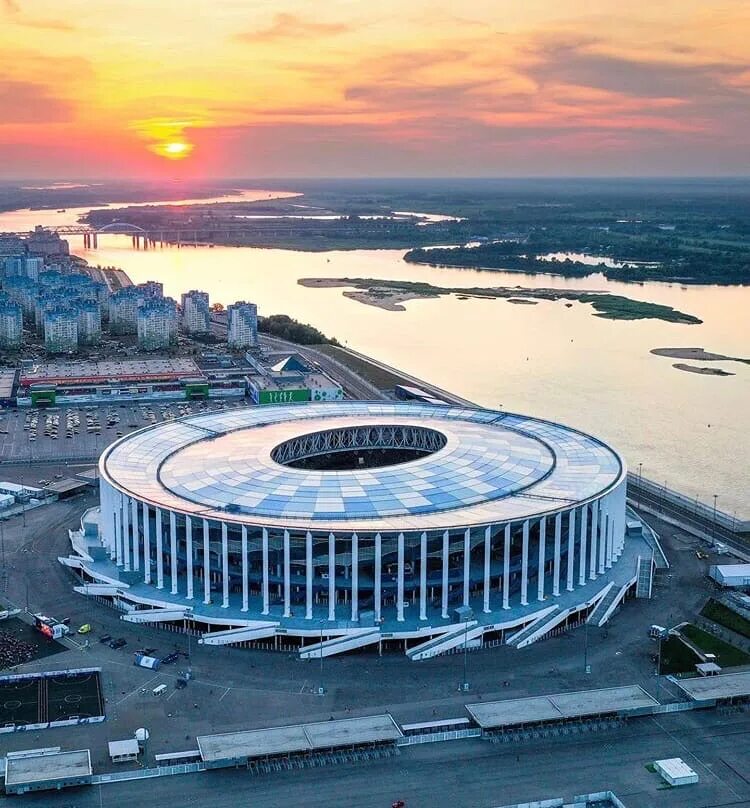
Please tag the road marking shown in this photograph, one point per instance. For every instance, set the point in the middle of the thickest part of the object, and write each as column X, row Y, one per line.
column 224, row 693
column 171, row 694
column 136, row 689
column 304, row 685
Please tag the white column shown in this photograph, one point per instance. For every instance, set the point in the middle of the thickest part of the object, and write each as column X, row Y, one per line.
column 556, row 561
column 331, row 576
column 594, row 537
column 111, row 522
column 118, row 536
column 355, row 577
column 224, row 566
column 206, row 563
column 245, row 582
column 610, row 540
column 136, row 538
column 264, row 585
column 400, row 580
column 525, row 565
column 423, row 577
column 378, row 574
column 467, row 565
column 287, row 575
column 173, row 550
column 571, row 547
column 159, row 550
column 124, row 504
column 603, row 531
column 444, row 592
column 542, row 558
column 189, row 555
column 487, row 557
column 146, row 545
column 308, row 576
column 506, row 567
column 583, row 545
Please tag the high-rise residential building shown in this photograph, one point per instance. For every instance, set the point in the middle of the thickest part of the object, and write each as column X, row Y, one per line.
column 46, row 300
column 152, row 288
column 157, row 324
column 46, row 242
column 61, row 329
column 25, row 266
column 196, row 317
column 242, row 327
column 89, row 322
column 123, row 310
column 23, row 291
column 11, row 323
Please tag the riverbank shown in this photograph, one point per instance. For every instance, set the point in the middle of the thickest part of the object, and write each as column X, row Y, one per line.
column 390, row 295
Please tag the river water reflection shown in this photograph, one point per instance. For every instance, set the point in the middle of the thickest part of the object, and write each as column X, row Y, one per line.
column 550, row 360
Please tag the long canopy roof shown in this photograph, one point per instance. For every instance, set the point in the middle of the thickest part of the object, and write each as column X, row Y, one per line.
column 493, row 467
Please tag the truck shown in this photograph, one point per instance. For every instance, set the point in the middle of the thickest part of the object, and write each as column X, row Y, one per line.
column 54, row 629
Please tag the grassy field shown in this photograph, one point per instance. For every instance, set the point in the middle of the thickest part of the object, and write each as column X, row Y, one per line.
column 726, row 655
column 724, row 616
column 676, row 657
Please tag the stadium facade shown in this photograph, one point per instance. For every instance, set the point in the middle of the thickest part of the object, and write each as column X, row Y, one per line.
column 417, row 524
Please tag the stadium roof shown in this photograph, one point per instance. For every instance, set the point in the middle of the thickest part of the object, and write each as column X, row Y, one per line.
column 493, row 467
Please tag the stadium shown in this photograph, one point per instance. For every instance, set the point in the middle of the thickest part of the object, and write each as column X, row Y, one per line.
column 335, row 526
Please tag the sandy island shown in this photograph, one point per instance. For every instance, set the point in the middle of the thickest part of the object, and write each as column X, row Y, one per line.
column 703, row 371
column 697, row 355
column 390, row 295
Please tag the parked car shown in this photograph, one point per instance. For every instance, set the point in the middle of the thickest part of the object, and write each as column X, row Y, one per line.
column 85, row 628
column 170, row 658
column 105, row 638
column 118, row 643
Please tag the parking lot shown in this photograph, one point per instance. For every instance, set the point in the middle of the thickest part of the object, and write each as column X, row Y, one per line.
column 82, row 432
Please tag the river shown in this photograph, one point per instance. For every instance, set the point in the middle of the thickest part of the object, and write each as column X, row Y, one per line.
column 550, row 360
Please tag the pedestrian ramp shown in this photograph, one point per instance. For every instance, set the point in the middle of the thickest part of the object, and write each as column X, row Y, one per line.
column 453, row 638
column 542, row 622
column 611, row 600
column 97, row 589
column 255, row 631
column 339, row 645
column 155, row 615
column 645, row 575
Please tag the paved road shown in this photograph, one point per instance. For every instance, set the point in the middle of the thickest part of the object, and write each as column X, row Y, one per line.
column 684, row 516
column 476, row 773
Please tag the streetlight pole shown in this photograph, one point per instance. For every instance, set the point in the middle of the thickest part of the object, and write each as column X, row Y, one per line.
column 586, row 666
column 465, row 685
column 716, row 496
column 321, row 688
column 640, row 483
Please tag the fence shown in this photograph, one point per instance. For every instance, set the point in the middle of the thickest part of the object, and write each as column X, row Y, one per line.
column 433, row 737
column 692, row 505
column 145, row 774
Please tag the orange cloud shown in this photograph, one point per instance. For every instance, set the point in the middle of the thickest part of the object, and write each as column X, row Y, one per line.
column 289, row 26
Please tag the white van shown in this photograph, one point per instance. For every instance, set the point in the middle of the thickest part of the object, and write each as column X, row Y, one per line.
column 159, row 689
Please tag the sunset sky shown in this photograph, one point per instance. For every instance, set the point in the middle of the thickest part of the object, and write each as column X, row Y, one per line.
column 251, row 88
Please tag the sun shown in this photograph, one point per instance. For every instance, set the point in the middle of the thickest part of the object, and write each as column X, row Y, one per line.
column 174, row 149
